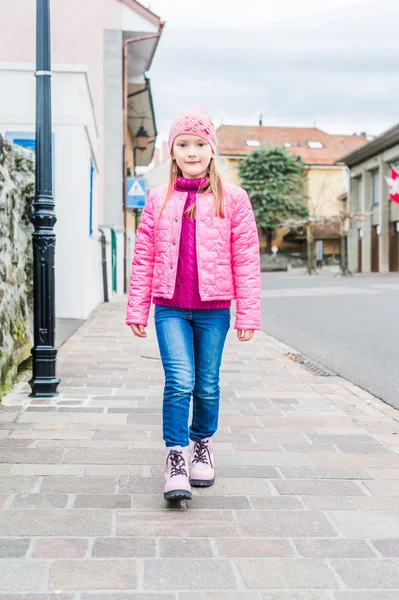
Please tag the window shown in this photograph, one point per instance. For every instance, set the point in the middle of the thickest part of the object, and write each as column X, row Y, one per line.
column 287, row 145
column 315, row 145
column 375, row 188
column 27, row 139
column 357, row 186
column 253, row 143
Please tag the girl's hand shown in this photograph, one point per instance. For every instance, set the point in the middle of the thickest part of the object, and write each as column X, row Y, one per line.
column 138, row 330
column 245, row 335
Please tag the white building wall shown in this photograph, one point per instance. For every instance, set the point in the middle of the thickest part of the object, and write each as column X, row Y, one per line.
column 78, row 254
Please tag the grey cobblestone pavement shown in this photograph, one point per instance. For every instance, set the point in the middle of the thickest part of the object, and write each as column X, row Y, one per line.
column 305, row 505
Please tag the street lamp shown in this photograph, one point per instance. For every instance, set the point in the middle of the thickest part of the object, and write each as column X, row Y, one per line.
column 44, row 354
column 142, row 139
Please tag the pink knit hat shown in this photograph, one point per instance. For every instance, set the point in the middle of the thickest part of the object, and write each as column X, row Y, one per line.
column 197, row 122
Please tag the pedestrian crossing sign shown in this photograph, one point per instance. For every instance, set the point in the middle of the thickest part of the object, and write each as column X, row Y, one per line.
column 136, row 192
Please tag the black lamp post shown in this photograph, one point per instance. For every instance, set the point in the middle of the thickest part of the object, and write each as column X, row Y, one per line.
column 44, row 354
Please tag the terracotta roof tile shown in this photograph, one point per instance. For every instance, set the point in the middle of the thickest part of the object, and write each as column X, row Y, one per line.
column 232, row 141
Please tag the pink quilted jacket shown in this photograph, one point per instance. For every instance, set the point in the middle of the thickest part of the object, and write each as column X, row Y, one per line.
column 227, row 253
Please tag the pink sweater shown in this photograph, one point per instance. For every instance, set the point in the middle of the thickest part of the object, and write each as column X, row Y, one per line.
column 186, row 291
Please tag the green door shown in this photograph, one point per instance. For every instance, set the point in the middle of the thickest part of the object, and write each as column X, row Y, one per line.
column 113, row 253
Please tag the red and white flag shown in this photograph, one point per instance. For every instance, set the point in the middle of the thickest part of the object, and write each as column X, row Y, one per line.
column 393, row 182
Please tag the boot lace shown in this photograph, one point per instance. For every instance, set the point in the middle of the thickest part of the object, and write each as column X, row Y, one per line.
column 178, row 463
column 201, row 453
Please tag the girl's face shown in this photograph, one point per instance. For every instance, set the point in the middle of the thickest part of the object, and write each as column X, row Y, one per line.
column 192, row 154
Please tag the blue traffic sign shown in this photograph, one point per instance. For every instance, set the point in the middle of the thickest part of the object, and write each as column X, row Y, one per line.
column 136, row 192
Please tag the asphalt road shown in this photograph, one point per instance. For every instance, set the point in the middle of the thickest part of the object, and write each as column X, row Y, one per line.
column 348, row 324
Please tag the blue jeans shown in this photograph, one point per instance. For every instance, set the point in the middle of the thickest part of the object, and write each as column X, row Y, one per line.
column 191, row 345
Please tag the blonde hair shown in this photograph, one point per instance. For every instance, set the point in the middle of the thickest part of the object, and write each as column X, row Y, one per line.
column 214, row 186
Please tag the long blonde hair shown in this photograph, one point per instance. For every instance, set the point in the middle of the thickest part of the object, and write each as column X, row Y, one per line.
column 214, row 186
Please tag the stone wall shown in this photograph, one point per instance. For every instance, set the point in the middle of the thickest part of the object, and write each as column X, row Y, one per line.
column 17, row 186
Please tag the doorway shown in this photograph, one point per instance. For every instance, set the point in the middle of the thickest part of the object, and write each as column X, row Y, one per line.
column 375, row 258
column 359, row 251
column 393, row 247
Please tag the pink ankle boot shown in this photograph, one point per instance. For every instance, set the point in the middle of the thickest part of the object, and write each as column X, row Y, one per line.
column 177, row 485
column 202, row 472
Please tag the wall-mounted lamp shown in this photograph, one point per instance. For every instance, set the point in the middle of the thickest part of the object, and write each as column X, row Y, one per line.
column 142, row 138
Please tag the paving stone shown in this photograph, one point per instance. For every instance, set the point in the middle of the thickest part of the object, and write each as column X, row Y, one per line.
column 286, row 573
column 114, row 470
column 40, row 501
column 184, row 547
column 257, row 447
column 219, row 595
column 379, row 504
column 189, row 523
column 295, row 595
column 318, row 488
column 55, row 522
column 141, row 485
column 366, row 524
column 34, row 596
column 29, row 455
column 23, row 575
column 180, row 573
column 17, row 484
column 385, row 473
column 253, row 547
column 276, row 503
column 277, row 459
column 328, row 503
column 355, row 460
column 127, row 436
column 114, row 457
column 284, row 524
column 89, row 444
column 60, row 548
column 102, row 501
column 11, row 443
column 333, row 548
column 71, row 418
column 281, row 438
column 369, row 595
column 13, row 548
column 363, row 573
column 56, row 470
column 79, row 484
column 388, row 548
column 236, row 471
column 92, row 574
column 128, row 547
column 383, row 488
column 325, row 473
column 243, row 486
column 127, row 596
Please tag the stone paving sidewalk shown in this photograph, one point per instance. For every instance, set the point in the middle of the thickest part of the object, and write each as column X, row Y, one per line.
column 305, row 504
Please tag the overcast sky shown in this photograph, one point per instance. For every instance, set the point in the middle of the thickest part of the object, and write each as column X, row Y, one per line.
column 330, row 62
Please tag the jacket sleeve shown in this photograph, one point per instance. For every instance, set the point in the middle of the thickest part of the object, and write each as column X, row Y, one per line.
column 245, row 253
column 139, row 293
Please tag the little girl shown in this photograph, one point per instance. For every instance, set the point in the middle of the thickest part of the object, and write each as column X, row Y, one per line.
column 197, row 248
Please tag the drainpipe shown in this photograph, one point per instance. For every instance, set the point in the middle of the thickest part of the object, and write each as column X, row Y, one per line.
column 104, row 263
column 125, row 88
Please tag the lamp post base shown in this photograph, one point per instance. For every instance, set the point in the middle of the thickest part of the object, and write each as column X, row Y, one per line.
column 44, row 382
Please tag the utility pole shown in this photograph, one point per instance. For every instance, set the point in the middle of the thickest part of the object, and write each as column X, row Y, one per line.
column 44, row 354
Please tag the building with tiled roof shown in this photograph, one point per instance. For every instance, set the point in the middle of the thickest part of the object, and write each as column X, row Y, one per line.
column 326, row 177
